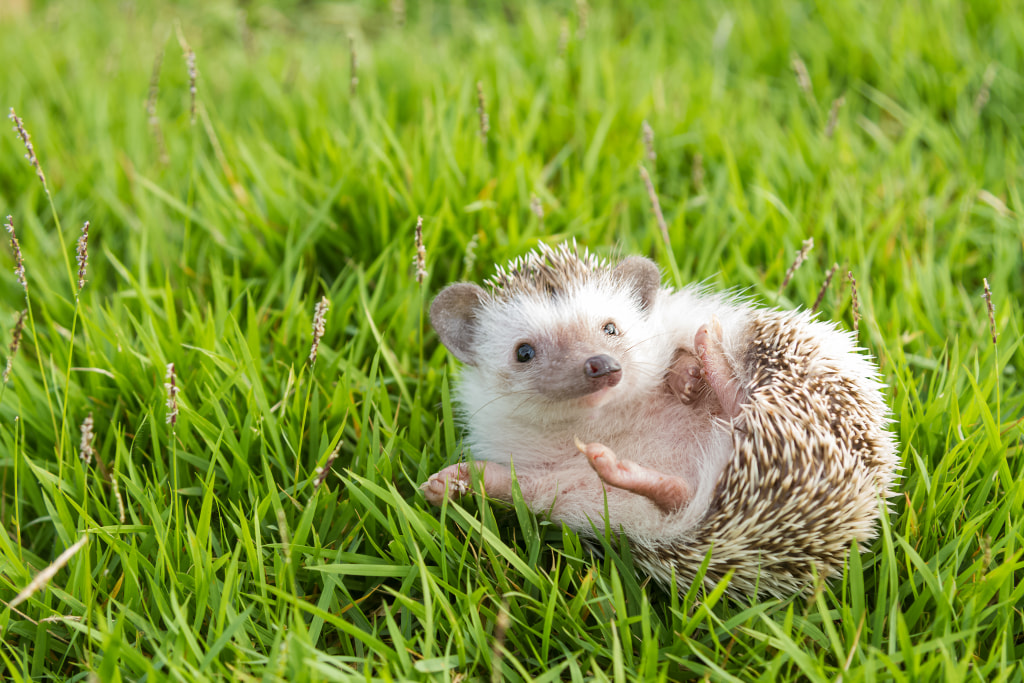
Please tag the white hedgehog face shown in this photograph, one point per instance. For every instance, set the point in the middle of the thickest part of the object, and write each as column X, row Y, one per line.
column 553, row 351
column 584, row 348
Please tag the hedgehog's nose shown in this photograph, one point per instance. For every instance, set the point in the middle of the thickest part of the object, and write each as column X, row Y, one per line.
column 602, row 366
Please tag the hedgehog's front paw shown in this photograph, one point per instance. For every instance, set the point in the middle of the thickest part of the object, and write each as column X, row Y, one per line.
column 685, row 378
column 451, row 482
column 667, row 491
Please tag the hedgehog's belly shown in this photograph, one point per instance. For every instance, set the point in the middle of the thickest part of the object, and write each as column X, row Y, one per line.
column 661, row 435
column 664, row 434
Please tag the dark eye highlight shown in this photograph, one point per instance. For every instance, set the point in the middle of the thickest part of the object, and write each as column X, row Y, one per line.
column 610, row 328
column 525, row 353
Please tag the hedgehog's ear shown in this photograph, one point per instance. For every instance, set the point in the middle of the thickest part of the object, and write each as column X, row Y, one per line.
column 642, row 276
column 453, row 315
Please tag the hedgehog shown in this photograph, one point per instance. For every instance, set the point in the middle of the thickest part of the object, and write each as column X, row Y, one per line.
column 693, row 424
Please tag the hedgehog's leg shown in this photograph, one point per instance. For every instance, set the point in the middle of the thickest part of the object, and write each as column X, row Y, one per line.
column 456, row 481
column 684, row 377
column 668, row 492
column 717, row 371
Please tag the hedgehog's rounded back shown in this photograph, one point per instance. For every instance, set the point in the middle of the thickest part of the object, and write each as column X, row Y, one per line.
column 813, row 463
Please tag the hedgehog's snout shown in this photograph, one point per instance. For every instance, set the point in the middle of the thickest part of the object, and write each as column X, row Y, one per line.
column 603, row 366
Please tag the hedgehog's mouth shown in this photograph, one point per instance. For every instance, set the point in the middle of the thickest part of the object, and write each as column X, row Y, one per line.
column 596, row 399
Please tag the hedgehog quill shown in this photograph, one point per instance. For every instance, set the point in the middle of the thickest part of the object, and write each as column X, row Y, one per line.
column 689, row 421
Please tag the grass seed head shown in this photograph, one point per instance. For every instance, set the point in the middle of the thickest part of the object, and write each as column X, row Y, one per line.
column 501, row 624
column 322, row 472
column 82, row 255
column 652, row 195
column 698, row 172
column 19, row 326
column 536, row 207
column 85, row 449
column 801, row 256
column 986, row 85
column 995, row 202
column 833, row 116
column 398, row 12
column 582, row 18
column 854, row 303
column 30, row 152
column 481, row 110
column 282, row 529
column 151, row 115
column 353, row 66
column 991, row 310
column 43, row 578
column 421, row 252
column 193, row 73
column 824, row 287
column 117, row 496
column 193, row 76
column 648, row 137
column 469, row 260
column 171, row 385
column 19, row 264
column 803, row 79
column 319, row 326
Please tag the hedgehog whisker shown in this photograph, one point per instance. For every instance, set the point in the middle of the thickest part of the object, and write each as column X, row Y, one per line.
column 495, row 399
column 525, row 401
column 650, row 338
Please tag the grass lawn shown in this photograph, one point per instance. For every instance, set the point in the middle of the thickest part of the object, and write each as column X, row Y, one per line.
column 274, row 530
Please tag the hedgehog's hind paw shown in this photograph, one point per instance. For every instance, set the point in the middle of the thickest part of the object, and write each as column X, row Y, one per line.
column 668, row 492
column 717, row 372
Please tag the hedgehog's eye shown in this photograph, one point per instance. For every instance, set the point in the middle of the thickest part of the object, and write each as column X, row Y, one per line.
column 525, row 353
column 610, row 328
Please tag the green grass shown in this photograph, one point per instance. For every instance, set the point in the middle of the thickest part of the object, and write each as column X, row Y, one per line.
column 231, row 564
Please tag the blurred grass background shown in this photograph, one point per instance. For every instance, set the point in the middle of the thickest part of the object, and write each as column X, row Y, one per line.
column 211, row 242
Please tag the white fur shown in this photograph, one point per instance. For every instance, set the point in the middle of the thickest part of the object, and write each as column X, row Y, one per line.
column 510, row 423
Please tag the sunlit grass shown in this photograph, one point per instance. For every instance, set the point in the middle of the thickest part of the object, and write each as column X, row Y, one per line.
column 290, row 185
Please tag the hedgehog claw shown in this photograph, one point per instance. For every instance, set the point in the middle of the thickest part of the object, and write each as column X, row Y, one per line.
column 685, row 378
column 452, row 482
